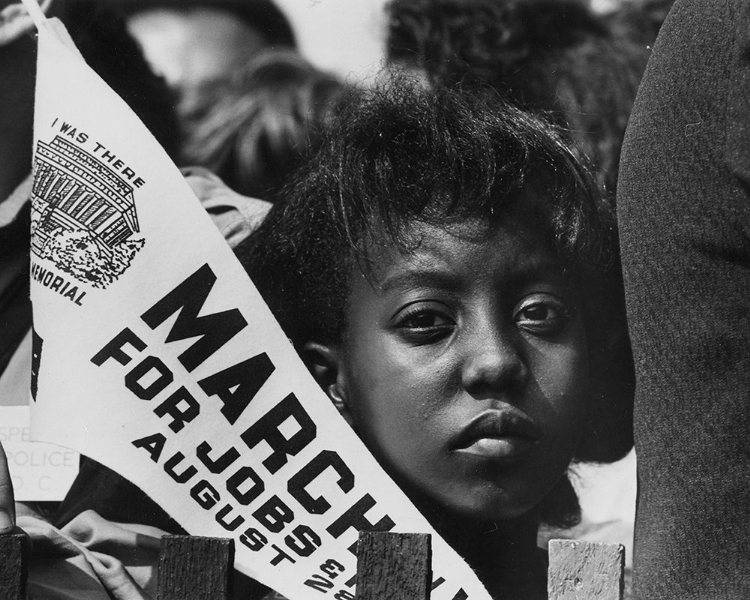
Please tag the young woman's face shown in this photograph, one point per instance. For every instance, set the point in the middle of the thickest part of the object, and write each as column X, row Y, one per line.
column 464, row 369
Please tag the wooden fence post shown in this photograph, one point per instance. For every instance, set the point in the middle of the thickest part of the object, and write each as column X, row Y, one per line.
column 585, row 570
column 393, row 566
column 195, row 568
column 13, row 566
column 390, row 566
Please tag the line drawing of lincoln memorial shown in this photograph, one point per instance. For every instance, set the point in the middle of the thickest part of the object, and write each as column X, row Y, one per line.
column 77, row 191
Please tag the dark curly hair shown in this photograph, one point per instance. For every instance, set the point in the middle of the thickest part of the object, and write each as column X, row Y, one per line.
column 552, row 56
column 401, row 155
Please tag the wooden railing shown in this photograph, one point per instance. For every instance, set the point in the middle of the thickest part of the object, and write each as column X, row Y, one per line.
column 390, row 566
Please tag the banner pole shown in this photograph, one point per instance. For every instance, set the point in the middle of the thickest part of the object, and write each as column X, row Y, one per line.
column 35, row 12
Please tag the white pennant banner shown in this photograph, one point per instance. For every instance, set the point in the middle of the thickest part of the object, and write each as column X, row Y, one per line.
column 155, row 355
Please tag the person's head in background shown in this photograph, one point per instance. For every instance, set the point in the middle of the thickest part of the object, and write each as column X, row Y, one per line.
column 267, row 118
column 105, row 44
column 639, row 20
column 195, row 45
column 552, row 56
column 437, row 265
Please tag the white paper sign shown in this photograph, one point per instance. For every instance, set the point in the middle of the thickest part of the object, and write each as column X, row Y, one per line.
column 155, row 355
column 39, row 471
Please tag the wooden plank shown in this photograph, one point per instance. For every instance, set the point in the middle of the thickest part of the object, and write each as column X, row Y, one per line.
column 13, row 566
column 393, row 566
column 195, row 568
column 581, row 570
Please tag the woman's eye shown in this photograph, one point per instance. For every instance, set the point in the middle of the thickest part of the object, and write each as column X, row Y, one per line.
column 425, row 320
column 423, row 324
column 543, row 316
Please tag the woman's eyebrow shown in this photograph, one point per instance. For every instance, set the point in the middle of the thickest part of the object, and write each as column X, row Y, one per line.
column 440, row 276
column 415, row 278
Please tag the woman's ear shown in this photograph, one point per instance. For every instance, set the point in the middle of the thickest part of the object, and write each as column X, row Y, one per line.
column 324, row 362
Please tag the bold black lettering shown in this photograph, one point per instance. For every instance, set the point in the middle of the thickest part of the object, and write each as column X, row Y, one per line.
column 146, row 366
column 332, row 568
column 303, row 540
column 253, row 539
column 113, row 348
column 205, row 494
column 153, row 444
column 308, row 473
column 180, row 416
column 242, row 475
column 221, row 463
column 274, row 514
column 183, row 477
column 66, row 127
column 280, row 555
column 221, row 519
column 58, row 281
column 354, row 518
column 236, row 386
column 267, row 429
column 188, row 298
column 319, row 583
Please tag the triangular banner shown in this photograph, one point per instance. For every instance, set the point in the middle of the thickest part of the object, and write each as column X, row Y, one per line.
column 155, row 355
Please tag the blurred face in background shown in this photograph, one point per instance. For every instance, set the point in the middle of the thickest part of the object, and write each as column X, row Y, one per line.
column 194, row 48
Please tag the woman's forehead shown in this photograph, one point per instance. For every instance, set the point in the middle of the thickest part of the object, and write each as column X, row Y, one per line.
column 464, row 248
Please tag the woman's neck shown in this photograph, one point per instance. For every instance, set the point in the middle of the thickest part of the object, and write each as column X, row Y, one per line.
column 503, row 554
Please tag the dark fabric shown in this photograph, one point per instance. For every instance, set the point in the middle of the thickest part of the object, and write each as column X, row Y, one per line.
column 15, row 308
column 113, row 497
column 15, row 321
column 684, row 210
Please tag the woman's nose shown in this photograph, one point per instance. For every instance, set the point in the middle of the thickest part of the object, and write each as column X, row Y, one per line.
column 493, row 362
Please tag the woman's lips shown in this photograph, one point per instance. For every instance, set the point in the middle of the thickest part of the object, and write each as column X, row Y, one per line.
column 499, row 448
column 498, row 434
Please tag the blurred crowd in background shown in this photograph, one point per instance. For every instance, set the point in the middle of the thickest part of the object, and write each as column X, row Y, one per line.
column 253, row 82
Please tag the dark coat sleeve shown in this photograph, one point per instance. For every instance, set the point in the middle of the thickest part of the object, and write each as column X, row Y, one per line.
column 684, row 217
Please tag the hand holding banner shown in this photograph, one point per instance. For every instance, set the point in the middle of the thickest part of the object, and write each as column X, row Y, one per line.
column 155, row 355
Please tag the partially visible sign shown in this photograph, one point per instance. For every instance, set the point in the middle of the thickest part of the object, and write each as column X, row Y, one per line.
column 154, row 354
column 40, row 472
